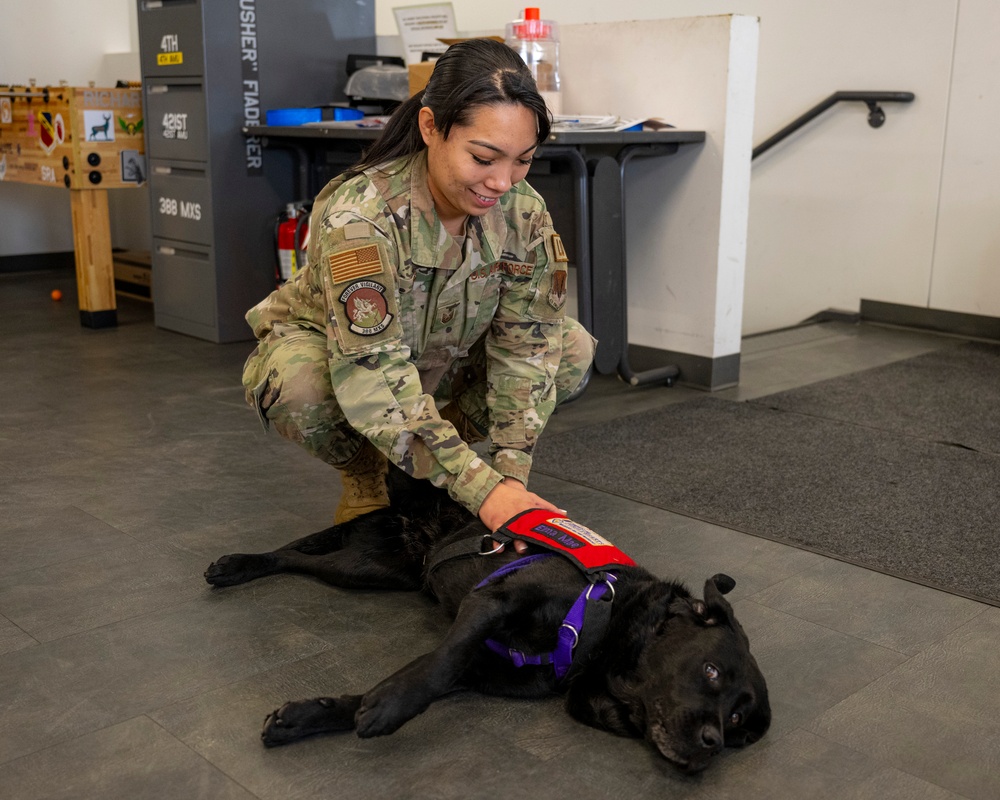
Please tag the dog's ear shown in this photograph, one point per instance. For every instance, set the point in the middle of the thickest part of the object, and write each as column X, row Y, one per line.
column 713, row 610
column 676, row 601
column 718, row 610
column 689, row 607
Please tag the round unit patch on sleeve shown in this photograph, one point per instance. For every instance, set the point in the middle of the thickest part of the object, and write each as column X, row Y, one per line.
column 366, row 307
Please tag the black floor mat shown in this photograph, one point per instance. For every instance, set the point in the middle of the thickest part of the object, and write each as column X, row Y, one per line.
column 896, row 468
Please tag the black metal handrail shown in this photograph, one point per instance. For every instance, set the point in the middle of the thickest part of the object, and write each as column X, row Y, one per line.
column 876, row 116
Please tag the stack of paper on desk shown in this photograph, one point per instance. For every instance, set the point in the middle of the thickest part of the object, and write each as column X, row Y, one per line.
column 366, row 122
column 610, row 122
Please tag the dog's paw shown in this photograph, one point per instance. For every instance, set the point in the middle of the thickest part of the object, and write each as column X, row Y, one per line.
column 238, row 568
column 384, row 710
column 300, row 718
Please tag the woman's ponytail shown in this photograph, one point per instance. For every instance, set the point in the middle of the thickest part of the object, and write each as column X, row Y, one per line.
column 400, row 137
column 468, row 75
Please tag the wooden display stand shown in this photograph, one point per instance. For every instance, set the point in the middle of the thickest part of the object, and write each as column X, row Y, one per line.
column 87, row 140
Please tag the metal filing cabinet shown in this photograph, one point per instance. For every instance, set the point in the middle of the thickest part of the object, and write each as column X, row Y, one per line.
column 209, row 68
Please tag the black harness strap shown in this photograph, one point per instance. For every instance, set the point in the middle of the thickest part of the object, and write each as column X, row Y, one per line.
column 463, row 548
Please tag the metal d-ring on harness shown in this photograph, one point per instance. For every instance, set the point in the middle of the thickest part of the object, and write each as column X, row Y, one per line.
column 588, row 607
column 487, row 540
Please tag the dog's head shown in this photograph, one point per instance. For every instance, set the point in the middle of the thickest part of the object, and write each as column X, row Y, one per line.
column 697, row 687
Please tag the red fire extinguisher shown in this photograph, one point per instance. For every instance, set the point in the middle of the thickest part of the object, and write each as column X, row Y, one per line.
column 292, row 238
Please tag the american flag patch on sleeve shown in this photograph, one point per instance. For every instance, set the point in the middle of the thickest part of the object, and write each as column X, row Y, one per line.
column 355, row 263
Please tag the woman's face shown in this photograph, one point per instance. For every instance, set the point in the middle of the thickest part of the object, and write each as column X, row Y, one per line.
column 470, row 170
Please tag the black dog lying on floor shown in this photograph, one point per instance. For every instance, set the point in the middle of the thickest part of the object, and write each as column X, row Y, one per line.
column 642, row 657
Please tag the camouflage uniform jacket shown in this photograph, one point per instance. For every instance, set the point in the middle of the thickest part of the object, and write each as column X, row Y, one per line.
column 399, row 300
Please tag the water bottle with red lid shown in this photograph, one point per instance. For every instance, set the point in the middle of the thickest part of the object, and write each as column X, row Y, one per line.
column 536, row 40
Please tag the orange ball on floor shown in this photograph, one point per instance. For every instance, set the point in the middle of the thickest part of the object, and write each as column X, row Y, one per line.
column 56, row 294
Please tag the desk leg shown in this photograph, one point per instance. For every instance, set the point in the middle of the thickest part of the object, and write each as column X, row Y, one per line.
column 95, row 271
column 610, row 269
column 608, row 265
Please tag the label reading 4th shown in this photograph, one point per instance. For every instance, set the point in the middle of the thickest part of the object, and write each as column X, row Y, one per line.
column 170, row 52
column 185, row 209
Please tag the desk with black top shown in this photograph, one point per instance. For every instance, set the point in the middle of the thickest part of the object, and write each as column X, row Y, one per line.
column 597, row 162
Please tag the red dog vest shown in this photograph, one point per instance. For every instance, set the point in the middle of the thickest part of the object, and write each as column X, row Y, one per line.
column 557, row 532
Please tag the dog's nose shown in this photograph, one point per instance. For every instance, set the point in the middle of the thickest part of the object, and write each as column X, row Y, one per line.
column 711, row 738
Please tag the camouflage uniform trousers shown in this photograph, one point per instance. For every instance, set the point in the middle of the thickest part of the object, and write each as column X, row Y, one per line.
column 287, row 382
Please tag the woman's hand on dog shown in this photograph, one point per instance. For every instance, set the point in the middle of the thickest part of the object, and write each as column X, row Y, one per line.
column 508, row 499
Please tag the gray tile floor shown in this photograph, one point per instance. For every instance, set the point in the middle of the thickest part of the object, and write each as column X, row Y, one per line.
column 128, row 462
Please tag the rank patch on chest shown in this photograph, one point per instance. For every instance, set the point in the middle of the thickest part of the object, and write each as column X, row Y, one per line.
column 366, row 307
column 357, row 262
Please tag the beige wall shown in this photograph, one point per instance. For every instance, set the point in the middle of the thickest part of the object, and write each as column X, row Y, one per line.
column 841, row 212
column 966, row 274
column 688, row 211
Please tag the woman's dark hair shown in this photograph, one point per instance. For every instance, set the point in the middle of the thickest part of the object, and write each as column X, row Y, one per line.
column 469, row 74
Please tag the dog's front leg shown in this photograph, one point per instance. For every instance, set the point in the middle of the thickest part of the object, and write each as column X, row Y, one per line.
column 412, row 689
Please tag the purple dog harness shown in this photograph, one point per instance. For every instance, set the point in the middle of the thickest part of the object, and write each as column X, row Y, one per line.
column 572, row 627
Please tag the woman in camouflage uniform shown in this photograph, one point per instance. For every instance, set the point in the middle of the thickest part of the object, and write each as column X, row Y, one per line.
column 434, row 277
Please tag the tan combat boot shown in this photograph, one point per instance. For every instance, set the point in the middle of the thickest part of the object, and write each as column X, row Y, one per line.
column 466, row 428
column 363, row 480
